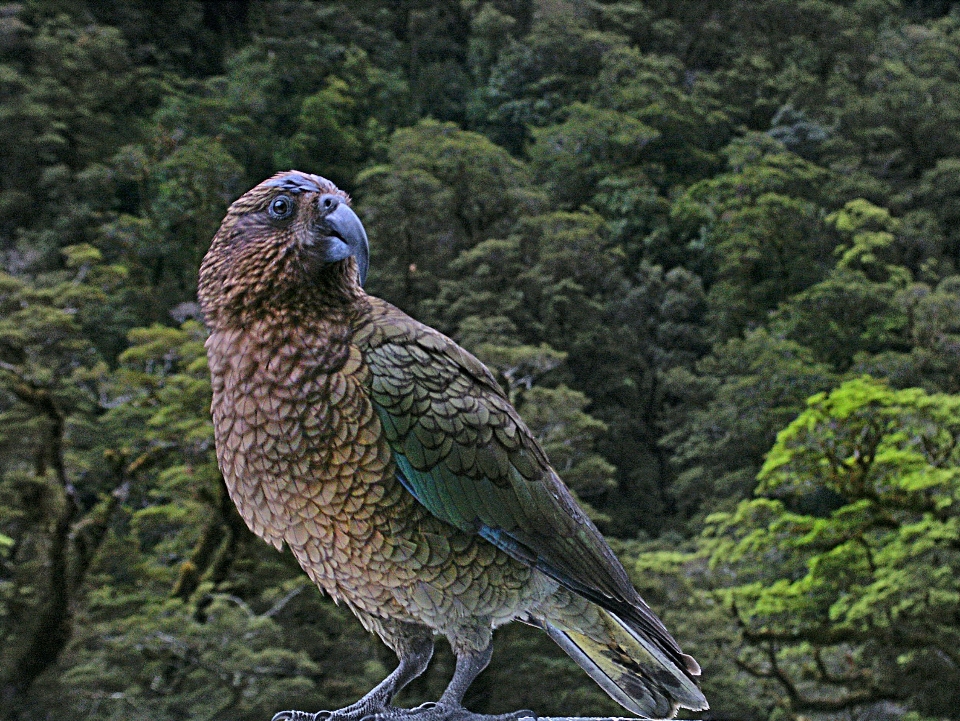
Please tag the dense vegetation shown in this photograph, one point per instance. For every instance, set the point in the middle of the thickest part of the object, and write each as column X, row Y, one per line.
column 712, row 249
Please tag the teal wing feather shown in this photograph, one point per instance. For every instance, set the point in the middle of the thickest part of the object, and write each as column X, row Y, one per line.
column 463, row 451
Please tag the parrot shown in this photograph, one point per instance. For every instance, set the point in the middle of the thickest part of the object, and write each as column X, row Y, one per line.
column 393, row 466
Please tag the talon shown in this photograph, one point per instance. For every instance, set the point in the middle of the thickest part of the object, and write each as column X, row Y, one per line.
column 426, row 706
column 292, row 716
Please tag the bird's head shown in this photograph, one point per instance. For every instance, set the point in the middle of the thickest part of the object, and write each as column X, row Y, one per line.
column 281, row 242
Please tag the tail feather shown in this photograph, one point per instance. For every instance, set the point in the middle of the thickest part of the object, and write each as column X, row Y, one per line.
column 631, row 669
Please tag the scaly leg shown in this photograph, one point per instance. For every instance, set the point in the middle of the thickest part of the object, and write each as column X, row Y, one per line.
column 450, row 706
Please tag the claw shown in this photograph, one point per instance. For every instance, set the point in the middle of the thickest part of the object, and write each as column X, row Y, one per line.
column 294, row 716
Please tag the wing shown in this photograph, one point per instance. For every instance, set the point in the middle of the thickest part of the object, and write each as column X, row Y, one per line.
column 462, row 450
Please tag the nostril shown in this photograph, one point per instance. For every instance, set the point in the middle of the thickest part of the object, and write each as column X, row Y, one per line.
column 328, row 202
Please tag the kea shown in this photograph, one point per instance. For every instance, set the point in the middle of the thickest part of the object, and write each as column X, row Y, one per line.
column 391, row 463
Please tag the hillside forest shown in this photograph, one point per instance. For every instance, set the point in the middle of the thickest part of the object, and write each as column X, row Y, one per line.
column 710, row 249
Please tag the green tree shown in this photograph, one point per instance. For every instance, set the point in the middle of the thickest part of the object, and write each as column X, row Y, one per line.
column 884, row 123
column 853, row 310
column 591, row 144
column 64, row 111
column 535, row 78
column 56, row 502
column 932, row 335
column 690, row 126
column 443, row 191
column 184, row 188
column 326, row 137
column 842, row 572
column 728, row 410
column 758, row 228
column 939, row 189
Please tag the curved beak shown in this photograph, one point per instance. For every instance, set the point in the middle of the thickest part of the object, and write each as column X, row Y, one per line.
column 343, row 224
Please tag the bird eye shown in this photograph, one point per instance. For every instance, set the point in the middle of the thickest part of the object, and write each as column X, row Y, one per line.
column 281, row 207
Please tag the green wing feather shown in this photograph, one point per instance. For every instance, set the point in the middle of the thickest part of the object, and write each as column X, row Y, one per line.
column 466, row 455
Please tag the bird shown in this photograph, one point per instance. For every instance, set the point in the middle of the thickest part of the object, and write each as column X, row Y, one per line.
column 393, row 466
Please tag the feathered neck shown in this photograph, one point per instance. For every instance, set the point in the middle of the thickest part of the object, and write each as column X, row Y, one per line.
column 330, row 295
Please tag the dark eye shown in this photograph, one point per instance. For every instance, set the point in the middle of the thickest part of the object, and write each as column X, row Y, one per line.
column 281, row 207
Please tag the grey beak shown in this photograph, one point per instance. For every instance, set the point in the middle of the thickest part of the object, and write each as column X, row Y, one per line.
column 342, row 223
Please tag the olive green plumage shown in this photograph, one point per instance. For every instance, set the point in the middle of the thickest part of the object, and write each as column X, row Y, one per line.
column 393, row 466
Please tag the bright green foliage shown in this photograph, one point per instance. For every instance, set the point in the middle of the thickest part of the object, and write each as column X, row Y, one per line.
column 871, row 232
column 846, row 566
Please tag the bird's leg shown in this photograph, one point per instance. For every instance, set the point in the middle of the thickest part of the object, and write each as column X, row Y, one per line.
column 450, row 706
column 413, row 662
column 469, row 666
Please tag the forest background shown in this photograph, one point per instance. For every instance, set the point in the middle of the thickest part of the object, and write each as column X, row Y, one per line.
column 711, row 249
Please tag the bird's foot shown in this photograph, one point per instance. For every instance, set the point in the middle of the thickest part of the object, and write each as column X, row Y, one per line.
column 356, row 712
column 296, row 716
column 426, row 712
column 443, row 712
